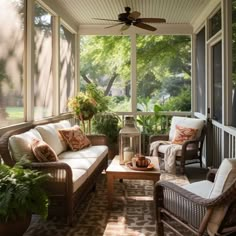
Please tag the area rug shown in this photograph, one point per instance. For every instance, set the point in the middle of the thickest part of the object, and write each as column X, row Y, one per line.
column 131, row 214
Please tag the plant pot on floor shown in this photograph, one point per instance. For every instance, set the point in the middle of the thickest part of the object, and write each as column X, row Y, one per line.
column 15, row 228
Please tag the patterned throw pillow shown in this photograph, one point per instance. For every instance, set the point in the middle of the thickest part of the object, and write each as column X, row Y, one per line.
column 75, row 138
column 42, row 151
column 183, row 134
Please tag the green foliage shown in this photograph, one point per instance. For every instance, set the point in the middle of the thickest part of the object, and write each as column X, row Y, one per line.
column 111, row 55
column 174, row 85
column 163, row 65
column 102, row 101
column 107, row 123
column 120, row 104
column 151, row 124
column 21, row 192
column 182, row 102
column 88, row 103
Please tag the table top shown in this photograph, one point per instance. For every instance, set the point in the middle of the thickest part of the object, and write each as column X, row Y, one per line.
column 115, row 166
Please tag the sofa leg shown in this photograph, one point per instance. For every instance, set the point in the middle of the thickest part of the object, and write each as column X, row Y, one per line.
column 94, row 188
column 70, row 220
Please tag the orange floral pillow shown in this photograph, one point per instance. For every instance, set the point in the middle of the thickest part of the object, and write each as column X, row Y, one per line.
column 42, row 151
column 75, row 138
column 183, row 134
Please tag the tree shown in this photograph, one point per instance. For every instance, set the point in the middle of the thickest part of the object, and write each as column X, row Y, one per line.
column 105, row 60
column 168, row 59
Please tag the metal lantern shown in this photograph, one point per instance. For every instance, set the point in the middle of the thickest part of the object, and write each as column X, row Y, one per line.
column 129, row 140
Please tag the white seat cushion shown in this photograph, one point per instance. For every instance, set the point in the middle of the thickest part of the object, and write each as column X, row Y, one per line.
column 225, row 176
column 20, row 145
column 51, row 136
column 185, row 122
column 92, row 151
column 201, row 188
column 79, row 176
column 86, row 159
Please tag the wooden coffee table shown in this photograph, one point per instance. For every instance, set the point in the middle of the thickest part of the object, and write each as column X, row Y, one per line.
column 117, row 171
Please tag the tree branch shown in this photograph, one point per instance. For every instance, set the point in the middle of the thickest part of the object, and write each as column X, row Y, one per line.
column 111, row 81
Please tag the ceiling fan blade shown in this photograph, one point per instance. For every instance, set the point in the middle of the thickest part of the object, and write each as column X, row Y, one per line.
column 105, row 19
column 152, row 20
column 134, row 15
column 124, row 27
column 144, row 26
column 113, row 25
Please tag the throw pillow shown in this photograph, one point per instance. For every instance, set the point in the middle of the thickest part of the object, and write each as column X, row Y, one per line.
column 42, row 151
column 183, row 133
column 75, row 138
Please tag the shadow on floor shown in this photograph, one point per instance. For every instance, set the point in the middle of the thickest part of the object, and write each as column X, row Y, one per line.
column 195, row 173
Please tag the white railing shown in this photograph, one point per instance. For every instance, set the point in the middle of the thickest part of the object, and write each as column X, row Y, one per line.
column 223, row 143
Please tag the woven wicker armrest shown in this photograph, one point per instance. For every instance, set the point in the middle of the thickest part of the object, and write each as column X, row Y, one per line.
column 55, row 168
column 178, row 191
column 211, row 174
column 158, row 137
column 98, row 139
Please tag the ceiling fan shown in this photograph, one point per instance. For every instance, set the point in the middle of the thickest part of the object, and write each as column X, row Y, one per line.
column 132, row 18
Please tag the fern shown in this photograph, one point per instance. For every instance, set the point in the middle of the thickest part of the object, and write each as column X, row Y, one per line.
column 21, row 192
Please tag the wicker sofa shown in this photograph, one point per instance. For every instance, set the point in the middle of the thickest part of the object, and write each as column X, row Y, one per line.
column 74, row 174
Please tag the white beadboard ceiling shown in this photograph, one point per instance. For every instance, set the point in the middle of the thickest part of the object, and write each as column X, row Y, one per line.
column 174, row 11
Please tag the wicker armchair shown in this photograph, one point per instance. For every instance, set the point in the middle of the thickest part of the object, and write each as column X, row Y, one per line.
column 191, row 151
column 204, row 207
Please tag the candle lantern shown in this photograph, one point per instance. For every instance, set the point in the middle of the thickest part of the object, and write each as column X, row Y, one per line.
column 129, row 140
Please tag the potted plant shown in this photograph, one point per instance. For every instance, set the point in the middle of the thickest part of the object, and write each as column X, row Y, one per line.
column 108, row 123
column 86, row 104
column 21, row 195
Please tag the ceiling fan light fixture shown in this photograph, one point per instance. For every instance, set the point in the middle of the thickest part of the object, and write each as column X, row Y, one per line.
column 125, row 27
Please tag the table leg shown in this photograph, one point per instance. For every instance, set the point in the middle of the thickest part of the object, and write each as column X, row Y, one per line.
column 110, row 189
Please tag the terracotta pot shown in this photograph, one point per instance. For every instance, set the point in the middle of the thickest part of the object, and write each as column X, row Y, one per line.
column 15, row 228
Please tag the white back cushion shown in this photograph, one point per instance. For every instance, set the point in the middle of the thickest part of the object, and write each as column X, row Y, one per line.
column 185, row 122
column 225, row 175
column 51, row 136
column 20, row 144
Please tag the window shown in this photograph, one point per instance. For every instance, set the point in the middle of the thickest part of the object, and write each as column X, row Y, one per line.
column 234, row 63
column 164, row 72
column 11, row 62
column 215, row 24
column 200, row 71
column 217, row 82
column 67, row 67
column 43, row 81
column 105, row 61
